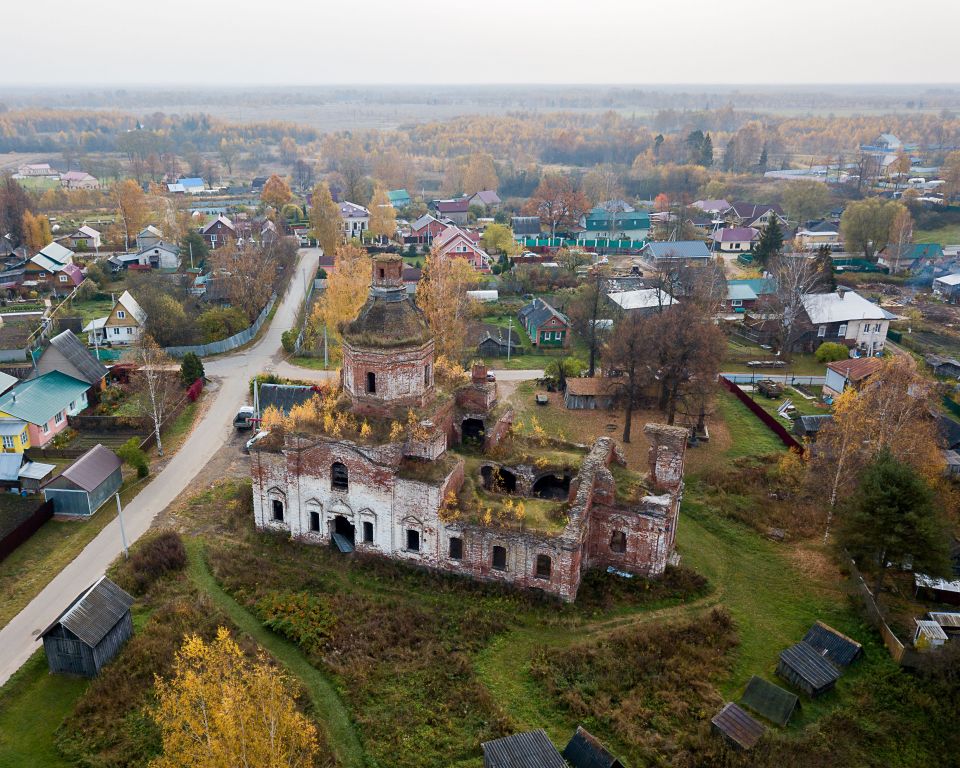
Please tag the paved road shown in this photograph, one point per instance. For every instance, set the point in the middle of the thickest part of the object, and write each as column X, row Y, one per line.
column 18, row 640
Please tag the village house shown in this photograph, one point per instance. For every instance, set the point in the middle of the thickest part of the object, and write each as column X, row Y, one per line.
column 525, row 226
column 947, row 288
column 122, row 326
column 160, row 256
column 355, row 220
column 78, row 180
column 53, row 268
column 394, row 491
column 740, row 298
column 844, row 317
column 457, row 210
column 399, row 198
column 218, row 232
column 425, row 229
column 735, row 239
column 36, row 169
column 42, row 405
column 659, row 255
column 716, row 208
column 191, row 186
column 67, row 354
column 915, row 257
column 546, row 326
column 852, row 372
column 615, row 220
column 148, row 237
column 456, row 243
column 642, row 301
column 753, row 215
column 820, row 234
column 487, row 199
column 84, row 239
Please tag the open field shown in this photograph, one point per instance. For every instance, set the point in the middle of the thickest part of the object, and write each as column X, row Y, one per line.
column 949, row 235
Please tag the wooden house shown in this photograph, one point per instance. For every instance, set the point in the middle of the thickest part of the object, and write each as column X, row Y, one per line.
column 90, row 632
column 218, row 232
column 546, row 326
column 67, row 354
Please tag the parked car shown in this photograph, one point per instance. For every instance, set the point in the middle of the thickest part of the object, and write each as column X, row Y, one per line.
column 244, row 418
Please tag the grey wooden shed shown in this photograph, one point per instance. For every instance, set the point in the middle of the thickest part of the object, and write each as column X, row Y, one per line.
column 83, row 486
column 91, row 631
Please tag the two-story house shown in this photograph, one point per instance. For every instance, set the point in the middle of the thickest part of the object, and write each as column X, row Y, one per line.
column 84, row 239
column 615, row 221
column 455, row 243
column 122, row 326
column 148, row 236
column 456, row 209
column 218, row 232
column 753, row 215
column 40, row 406
column 844, row 317
column 52, row 268
column 355, row 220
column 546, row 326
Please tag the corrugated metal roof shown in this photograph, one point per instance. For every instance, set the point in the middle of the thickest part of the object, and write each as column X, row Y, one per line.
column 738, row 726
column 39, row 400
column 769, row 700
column 94, row 612
column 68, row 345
column 585, row 751
column 522, row 750
column 679, row 249
column 93, row 468
column 10, row 466
column 130, row 304
column 284, row 396
column 35, row 470
column 9, row 427
column 810, row 665
column 834, row 646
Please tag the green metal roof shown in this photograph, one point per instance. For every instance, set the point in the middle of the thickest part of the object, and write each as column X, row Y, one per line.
column 770, row 701
column 398, row 194
column 39, row 400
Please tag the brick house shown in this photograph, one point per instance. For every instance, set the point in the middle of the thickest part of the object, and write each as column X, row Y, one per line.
column 218, row 231
column 425, row 229
column 546, row 326
column 391, row 495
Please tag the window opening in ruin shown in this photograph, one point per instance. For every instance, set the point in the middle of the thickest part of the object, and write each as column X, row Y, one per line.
column 413, row 540
column 277, row 510
column 381, row 273
column 426, row 375
column 472, row 431
column 543, row 567
column 344, row 527
column 500, row 558
column 314, row 521
column 552, row 486
column 371, row 382
column 498, row 479
column 456, row 548
column 618, row 542
column 339, row 477
column 368, row 532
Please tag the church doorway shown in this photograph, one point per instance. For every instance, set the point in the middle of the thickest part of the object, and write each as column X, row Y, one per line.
column 345, row 529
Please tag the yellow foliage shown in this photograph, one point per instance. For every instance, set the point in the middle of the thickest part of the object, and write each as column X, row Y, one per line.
column 273, row 419
column 365, row 430
column 345, row 293
column 396, row 431
column 219, row 710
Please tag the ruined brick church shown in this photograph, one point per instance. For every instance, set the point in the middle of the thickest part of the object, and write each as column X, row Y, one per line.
column 426, row 496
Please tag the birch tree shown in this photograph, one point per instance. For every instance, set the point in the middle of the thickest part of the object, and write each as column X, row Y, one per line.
column 156, row 382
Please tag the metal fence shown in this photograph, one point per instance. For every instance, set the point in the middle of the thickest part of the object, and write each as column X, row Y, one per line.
column 311, row 287
column 237, row 340
column 26, row 528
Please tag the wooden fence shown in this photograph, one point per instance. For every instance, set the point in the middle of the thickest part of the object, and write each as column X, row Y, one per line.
column 26, row 529
column 777, row 428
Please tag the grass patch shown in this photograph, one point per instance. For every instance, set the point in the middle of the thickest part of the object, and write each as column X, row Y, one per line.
column 948, row 235
column 313, row 363
column 91, row 309
column 749, row 436
column 33, row 704
column 740, row 352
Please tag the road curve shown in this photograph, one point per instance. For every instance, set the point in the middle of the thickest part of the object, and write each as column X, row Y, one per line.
column 18, row 639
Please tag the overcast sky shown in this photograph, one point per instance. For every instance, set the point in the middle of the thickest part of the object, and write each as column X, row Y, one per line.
column 194, row 42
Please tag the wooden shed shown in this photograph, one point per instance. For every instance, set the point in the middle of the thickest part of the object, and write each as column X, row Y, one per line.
column 90, row 632
column 522, row 750
column 834, row 646
column 86, row 484
column 802, row 666
column 584, row 750
column 737, row 727
column 770, row 701
column 590, row 394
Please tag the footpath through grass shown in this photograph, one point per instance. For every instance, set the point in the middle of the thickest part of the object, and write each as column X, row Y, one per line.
column 33, row 704
column 331, row 715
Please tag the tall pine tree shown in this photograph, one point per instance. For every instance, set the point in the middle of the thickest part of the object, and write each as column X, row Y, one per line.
column 706, row 152
column 770, row 243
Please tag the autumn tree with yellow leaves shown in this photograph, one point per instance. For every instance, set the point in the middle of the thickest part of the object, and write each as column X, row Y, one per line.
column 325, row 222
column 345, row 293
column 276, row 192
column 383, row 217
column 442, row 296
column 132, row 208
column 220, row 710
column 36, row 231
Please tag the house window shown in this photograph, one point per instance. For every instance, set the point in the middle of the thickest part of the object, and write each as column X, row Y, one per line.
column 58, row 419
column 618, row 542
column 371, row 382
column 63, row 278
column 116, row 331
column 413, row 540
column 456, row 548
column 736, row 302
column 315, row 521
column 821, row 331
column 339, row 477
column 121, row 314
column 368, row 532
column 46, row 427
column 23, row 437
column 278, row 510
column 8, row 442
column 543, row 567
column 500, row 558
column 842, row 330
column 877, row 328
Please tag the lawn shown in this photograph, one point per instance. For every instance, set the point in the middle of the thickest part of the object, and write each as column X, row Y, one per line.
column 33, row 704
column 949, row 235
column 91, row 309
column 803, row 406
column 739, row 352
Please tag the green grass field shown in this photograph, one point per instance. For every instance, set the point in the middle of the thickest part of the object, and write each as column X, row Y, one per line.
column 949, row 235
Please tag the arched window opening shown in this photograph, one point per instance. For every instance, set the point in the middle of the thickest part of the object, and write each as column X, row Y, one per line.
column 339, row 477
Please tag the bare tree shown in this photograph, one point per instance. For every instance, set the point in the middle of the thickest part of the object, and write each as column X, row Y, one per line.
column 629, row 353
column 586, row 314
column 156, row 382
column 795, row 277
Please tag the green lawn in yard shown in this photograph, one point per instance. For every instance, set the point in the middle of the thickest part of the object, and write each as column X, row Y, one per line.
column 90, row 309
column 739, row 352
column 313, row 363
column 803, row 406
column 949, row 235
column 33, row 703
column 749, row 435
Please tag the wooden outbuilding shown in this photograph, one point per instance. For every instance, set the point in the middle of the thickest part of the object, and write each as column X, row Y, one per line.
column 770, row 701
column 737, row 727
column 802, row 666
column 90, row 632
column 590, row 394
column 86, row 484
column 522, row 750
column 584, row 750
column 834, row 646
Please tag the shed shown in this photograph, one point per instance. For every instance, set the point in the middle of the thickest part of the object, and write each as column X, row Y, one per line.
column 929, row 634
column 522, row 750
column 91, row 631
column 949, row 621
column 808, row 426
column 10, row 469
column 34, row 474
column 589, row 394
column 737, row 727
column 284, row 397
column 834, row 646
column 86, row 484
column 769, row 700
column 584, row 750
column 803, row 667
column 496, row 346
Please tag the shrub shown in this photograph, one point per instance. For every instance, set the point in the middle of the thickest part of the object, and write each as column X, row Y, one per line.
column 830, row 351
column 64, row 438
column 288, row 339
column 132, row 455
column 151, row 558
column 194, row 391
column 301, row 617
column 321, row 273
column 191, row 369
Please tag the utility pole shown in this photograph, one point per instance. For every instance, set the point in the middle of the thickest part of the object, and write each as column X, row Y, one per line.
column 326, row 360
column 123, row 533
column 509, row 337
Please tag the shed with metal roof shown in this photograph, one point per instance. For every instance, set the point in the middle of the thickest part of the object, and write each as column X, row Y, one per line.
column 770, row 701
column 834, row 646
column 86, row 484
column 90, row 632
column 69, row 355
column 584, row 750
column 802, row 666
column 532, row 749
column 737, row 727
